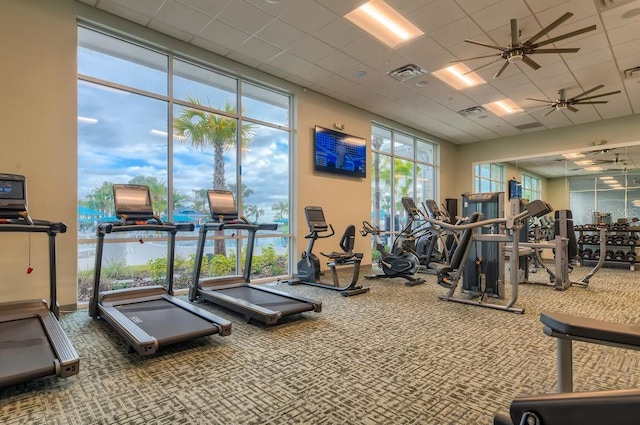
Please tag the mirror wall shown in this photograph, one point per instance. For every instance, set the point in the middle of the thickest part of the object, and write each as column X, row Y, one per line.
column 600, row 183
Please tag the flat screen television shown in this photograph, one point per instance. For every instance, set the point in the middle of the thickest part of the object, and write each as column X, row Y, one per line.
column 339, row 153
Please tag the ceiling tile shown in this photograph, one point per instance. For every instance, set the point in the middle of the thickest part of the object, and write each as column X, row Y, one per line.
column 453, row 33
column 581, row 9
column 308, row 16
column 339, row 33
column 208, row 7
column 258, row 49
column 123, row 12
column 212, row 47
column 341, row 7
column 386, row 62
column 418, row 48
column 246, row 60
column 90, row 2
column 245, row 16
column 500, row 14
column 170, row 31
column 275, row 9
column 337, row 62
column 311, row 49
column 145, row 7
column 335, row 82
column 539, row 5
column 272, row 70
column 365, row 48
column 623, row 15
column 183, row 17
column 405, row 7
column 585, row 61
column 287, row 62
column 623, row 34
column 472, row 6
column 313, row 73
column 628, row 62
column 281, row 34
column 436, row 15
column 223, row 34
column 630, row 48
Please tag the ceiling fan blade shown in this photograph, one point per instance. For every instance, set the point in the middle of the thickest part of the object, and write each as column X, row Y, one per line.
column 568, row 50
column 502, row 68
column 587, row 92
column 504, row 49
column 539, row 100
column 563, row 36
column 591, row 103
column 515, row 33
column 537, row 108
column 530, row 62
column 476, row 57
column 571, row 108
column 552, row 109
column 486, row 64
column 600, row 95
column 548, row 28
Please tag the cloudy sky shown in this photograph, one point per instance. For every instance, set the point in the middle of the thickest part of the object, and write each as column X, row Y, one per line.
column 122, row 135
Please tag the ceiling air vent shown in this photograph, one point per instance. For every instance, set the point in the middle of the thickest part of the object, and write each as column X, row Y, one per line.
column 528, row 126
column 406, row 72
column 474, row 110
column 632, row 72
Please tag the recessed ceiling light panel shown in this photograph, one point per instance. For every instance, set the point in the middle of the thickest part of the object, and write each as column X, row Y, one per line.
column 383, row 22
column 459, row 76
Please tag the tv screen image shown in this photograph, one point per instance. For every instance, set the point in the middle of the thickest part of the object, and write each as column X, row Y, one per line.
column 340, row 153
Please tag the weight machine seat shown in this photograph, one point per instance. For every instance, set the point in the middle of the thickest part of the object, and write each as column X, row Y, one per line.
column 598, row 331
column 347, row 243
column 458, row 254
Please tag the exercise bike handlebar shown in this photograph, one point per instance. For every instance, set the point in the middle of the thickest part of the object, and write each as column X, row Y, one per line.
column 315, row 235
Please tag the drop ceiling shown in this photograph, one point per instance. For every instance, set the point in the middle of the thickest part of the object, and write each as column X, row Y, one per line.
column 309, row 43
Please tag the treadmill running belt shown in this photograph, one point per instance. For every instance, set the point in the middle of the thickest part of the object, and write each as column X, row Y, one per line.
column 165, row 321
column 25, row 351
column 286, row 306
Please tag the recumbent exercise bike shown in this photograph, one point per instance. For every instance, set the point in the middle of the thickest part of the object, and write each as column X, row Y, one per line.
column 402, row 264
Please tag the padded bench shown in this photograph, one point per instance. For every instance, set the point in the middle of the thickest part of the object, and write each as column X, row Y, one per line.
column 620, row 407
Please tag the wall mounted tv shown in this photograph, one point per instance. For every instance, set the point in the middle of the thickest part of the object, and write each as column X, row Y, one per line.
column 340, row 153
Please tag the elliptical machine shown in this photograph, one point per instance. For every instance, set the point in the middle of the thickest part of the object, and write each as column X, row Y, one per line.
column 309, row 265
column 402, row 264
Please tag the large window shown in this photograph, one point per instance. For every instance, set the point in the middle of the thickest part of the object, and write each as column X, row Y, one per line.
column 149, row 117
column 489, row 178
column 402, row 165
column 604, row 198
column 531, row 187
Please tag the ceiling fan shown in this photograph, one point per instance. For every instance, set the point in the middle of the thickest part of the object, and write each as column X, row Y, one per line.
column 568, row 103
column 518, row 51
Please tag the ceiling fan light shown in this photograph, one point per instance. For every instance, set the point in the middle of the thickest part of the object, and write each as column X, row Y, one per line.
column 515, row 57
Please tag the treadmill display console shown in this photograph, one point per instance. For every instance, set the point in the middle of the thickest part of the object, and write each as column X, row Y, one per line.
column 222, row 203
column 13, row 199
column 133, row 201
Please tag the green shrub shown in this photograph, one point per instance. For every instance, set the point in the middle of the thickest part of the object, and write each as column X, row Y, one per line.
column 157, row 268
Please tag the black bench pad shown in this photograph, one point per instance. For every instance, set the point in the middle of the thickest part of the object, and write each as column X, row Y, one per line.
column 582, row 327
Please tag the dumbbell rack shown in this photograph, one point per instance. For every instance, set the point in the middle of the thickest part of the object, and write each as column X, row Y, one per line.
column 620, row 245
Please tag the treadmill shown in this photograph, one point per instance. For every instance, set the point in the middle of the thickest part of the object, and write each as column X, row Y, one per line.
column 235, row 292
column 32, row 342
column 148, row 317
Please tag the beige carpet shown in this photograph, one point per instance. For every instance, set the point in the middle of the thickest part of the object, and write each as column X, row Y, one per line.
column 396, row 355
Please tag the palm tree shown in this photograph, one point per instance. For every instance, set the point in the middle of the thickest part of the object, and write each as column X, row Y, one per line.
column 209, row 131
column 158, row 190
column 253, row 210
column 206, row 130
column 282, row 209
column 246, row 192
column 101, row 198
